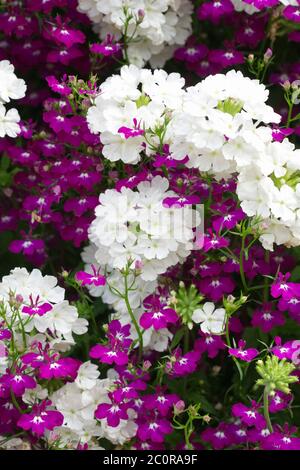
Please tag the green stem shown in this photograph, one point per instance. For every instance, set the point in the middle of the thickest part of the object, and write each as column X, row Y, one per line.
column 187, row 437
column 289, row 116
column 133, row 319
column 266, row 283
column 229, row 345
column 266, row 409
column 22, row 330
column 16, row 404
column 186, row 339
column 242, row 272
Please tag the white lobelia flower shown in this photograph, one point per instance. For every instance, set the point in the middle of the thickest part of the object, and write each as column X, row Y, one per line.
column 11, row 87
column 9, row 122
column 284, row 202
column 240, row 5
column 87, row 375
column 211, row 320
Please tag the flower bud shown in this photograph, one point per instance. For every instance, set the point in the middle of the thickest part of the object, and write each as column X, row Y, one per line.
column 179, row 407
column 267, row 55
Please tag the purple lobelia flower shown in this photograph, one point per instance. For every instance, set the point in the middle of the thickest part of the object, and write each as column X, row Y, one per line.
column 58, row 121
column 219, row 437
column 58, row 87
column 191, row 54
column 258, row 434
column 212, row 241
column 227, row 57
column 130, row 132
column 168, row 161
column 215, row 287
column 280, row 401
column 182, row 364
column 279, row 134
column 238, row 433
column 45, row 5
column 63, row 368
column 113, row 412
column 292, row 306
column 246, row 355
column 108, row 47
column 284, row 289
column 36, row 307
column 286, row 350
column 80, row 205
column 63, row 34
column 5, row 334
column 228, row 220
column 132, row 181
column 126, row 390
column 281, row 439
column 40, row 419
column 28, row 247
column 266, row 318
column 181, row 201
column 214, row 10
column 249, row 416
column 158, row 316
column 153, row 428
column 161, row 401
column 116, row 350
column 87, row 279
column 211, row 344
column 251, row 32
column 292, row 13
column 18, row 381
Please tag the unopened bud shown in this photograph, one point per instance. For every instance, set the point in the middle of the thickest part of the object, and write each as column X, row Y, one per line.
column 141, row 15
column 179, row 407
column 138, row 265
column 267, row 55
column 19, row 299
column 206, row 418
column 146, row 365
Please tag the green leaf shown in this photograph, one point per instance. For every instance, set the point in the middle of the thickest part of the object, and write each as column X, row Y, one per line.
column 177, row 338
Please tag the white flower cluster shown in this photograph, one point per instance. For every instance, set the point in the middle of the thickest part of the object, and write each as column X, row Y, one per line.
column 156, row 27
column 218, row 124
column 206, row 121
column 137, row 227
column 270, row 189
column 221, row 124
column 222, row 128
column 136, row 95
column 240, row 5
column 56, row 327
column 14, row 88
column 78, row 401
